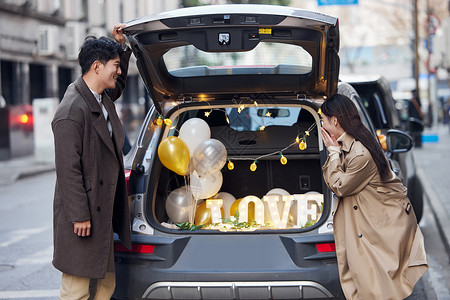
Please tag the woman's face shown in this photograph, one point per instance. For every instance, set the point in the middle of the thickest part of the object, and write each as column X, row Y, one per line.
column 329, row 123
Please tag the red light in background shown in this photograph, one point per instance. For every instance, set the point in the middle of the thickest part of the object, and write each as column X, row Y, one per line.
column 329, row 247
column 24, row 118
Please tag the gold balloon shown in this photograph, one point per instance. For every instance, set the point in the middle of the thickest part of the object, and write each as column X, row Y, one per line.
column 203, row 214
column 251, row 209
column 174, row 154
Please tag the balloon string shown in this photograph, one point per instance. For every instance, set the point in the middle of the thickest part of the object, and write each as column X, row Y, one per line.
column 193, row 201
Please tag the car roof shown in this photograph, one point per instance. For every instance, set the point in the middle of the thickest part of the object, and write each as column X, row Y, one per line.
column 153, row 37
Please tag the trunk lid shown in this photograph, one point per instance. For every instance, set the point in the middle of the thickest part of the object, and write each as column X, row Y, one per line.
column 218, row 51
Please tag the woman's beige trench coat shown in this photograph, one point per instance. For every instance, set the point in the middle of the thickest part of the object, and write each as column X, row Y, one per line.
column 379, row 247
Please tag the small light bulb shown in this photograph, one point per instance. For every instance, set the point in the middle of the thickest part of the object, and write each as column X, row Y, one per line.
column 283, row 160
column 230, row 165
column 168, row 122
column 268, row 114
column 297, row 140
column 262, row 128
column 319, row 111
column 207, row 113
column 302, row 145
column 307, row 133
column 256, row 103
column 253, row 167
column 159, row 121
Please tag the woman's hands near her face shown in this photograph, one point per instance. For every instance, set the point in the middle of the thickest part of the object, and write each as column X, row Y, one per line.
column 328, row 140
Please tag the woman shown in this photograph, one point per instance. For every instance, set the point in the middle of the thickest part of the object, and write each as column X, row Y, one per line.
column 379, row 247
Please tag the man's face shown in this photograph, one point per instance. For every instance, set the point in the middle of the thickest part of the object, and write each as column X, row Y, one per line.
column 109, row 73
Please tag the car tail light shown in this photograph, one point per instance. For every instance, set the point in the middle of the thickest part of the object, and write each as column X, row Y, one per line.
column 127, row 178
column 329, row 247
column 144, row 249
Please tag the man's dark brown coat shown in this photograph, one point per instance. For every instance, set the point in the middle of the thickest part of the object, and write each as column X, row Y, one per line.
column 90, row 181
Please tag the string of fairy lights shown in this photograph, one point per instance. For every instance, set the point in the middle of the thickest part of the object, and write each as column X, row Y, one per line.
column 300, row 140
column 302, row 145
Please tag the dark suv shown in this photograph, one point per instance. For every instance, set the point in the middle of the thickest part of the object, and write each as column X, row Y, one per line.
column 226, row 187
column 377, row 98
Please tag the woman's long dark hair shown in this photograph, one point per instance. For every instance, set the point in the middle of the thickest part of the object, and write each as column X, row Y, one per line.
column 348, row 116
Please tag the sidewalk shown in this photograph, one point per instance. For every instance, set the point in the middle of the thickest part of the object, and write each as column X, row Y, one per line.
column 15, row 169
column 433, row 168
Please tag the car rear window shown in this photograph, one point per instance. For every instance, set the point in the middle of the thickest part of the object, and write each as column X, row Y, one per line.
column 265, row 58
column 255, row 118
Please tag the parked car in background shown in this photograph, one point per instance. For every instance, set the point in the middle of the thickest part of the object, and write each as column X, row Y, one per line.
column 225, row 181
column 411, row 115
column 376, row 97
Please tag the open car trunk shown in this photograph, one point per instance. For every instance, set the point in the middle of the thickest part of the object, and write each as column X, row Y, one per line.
column 246, row 71
column 249, row 136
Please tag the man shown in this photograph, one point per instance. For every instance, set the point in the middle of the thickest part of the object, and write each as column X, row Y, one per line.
column 90, row 195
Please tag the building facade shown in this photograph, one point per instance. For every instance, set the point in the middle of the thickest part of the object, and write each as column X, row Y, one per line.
column 40, row 40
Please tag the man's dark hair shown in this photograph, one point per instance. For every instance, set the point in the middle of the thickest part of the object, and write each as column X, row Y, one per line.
column 348, row 117
column 102, row 49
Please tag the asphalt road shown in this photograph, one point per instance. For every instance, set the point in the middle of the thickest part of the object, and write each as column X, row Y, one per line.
column 26, row 245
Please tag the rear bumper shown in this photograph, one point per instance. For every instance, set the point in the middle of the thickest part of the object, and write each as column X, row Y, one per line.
column 228, row 267
column 237, row 290
column 142, row 281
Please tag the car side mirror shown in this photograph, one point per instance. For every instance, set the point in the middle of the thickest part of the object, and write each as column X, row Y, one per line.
column 398, row 141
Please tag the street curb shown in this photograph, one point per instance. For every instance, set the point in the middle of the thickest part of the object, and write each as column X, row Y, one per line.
column 11, row 174
column 36, row 171
column 442, row 219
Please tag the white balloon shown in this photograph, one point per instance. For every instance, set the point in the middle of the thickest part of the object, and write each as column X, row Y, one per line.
column 178, row 205
column 206, row 186
column 278, row 191
column 292, row 212
column 193, row 132
column 209, row 157
column 228, row 200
